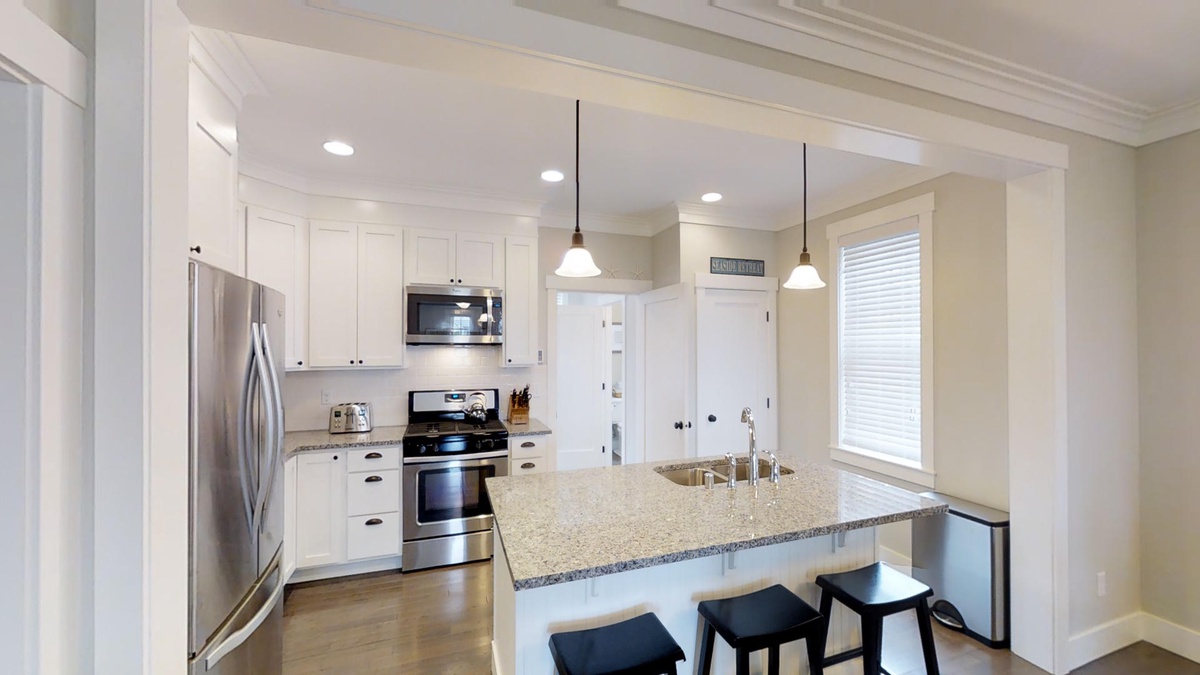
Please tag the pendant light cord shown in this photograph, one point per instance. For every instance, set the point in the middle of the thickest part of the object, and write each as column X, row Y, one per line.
column 576, row 165
column 805, row 250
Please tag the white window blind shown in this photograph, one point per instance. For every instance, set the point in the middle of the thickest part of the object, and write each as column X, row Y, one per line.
column 880, row 346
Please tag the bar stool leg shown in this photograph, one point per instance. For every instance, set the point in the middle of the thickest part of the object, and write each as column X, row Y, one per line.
column 743, row 662
column 816, row 651
column 773, row 660
column 827, row 618
column 927, row 646
column 872, row 630
column 706, row 648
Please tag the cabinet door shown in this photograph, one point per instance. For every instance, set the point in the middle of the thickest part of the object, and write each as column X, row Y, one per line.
column 277, row 257
column 289, row 518
column 320, row 508
column 480, row 260
column 213, row 223
column 429, row 257
column 380, row 295
column 521, row 301
column 333, row 295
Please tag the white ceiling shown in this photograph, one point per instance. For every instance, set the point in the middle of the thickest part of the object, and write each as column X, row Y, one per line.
column 418, row 128
column 1115, row 68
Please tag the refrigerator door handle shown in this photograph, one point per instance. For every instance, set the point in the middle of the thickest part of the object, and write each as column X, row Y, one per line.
column 277, row 438
column 269, row 403
column 247, row 436
column 239, row 636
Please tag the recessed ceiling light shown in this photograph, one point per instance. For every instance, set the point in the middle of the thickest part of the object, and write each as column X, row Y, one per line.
column 710, row 197
column 339, row 148
column 552, row 176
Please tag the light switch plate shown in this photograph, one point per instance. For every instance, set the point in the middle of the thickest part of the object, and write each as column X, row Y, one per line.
column 326, row 397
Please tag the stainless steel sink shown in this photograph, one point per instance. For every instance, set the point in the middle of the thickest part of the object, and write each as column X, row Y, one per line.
column 694, row 476
column 691, row 477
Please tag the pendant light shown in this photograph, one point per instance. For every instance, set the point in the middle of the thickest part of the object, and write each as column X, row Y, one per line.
column 577, row 262
column 805, row 276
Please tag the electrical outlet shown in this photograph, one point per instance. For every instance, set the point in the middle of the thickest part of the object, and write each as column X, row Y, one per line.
column 326, row 397
column 1102, row 584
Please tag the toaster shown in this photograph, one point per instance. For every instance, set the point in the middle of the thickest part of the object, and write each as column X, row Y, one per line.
column 350, row 418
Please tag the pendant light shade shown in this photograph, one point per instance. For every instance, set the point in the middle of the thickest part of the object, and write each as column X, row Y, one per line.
column 577, row 262
column 805, row 277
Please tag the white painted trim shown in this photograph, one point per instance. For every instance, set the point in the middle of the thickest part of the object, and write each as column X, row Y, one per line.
column 497, row 669
column 304, row 574
column 396, row 193
column 598, row 285
column 223, row 62
column 1172, row 637
column 33, row 52
column 908, row 208
column 724, row 216
column 1105, row 639
column 861, row 192
column 736, row 283
column 886, row 466
column 596, row 222
column 1172, row 122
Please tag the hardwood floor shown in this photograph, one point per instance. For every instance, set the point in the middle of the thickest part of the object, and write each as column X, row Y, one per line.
column 439, row 622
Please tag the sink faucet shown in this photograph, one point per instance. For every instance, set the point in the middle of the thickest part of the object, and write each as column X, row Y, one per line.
column 748, row 418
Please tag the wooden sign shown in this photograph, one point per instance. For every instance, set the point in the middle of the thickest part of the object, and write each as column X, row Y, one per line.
column 737, row 266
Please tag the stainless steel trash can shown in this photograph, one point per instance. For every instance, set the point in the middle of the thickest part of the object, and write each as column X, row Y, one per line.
column 963, row 556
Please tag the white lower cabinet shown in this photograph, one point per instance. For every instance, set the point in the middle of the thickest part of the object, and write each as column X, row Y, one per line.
column 289, row 519
column 529, row 454
column 346, row 508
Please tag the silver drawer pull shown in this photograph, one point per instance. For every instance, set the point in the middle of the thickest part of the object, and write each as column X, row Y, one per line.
column 373, row 479
column 528, row 465
column 374, row 455
column 374, row 521
column 528, row 444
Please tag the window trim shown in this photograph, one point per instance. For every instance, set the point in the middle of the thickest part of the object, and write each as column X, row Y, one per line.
column 885, row 219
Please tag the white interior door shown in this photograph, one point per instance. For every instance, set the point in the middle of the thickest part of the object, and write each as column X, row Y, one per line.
column 666, row 356
column 734, row 359
column 583, row 408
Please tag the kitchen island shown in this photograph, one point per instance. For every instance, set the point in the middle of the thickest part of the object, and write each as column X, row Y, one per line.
column 580, row 549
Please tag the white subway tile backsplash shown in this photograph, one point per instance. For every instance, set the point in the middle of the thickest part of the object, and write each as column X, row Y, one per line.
column 430, row 367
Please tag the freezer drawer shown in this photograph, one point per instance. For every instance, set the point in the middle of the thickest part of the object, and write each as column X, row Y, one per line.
column 963, row 556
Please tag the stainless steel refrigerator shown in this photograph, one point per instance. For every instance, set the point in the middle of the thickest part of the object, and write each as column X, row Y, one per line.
column 235, row 573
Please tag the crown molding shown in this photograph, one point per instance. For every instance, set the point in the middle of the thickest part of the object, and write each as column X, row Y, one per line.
column 392, row 192
column 597, row 222
column 923, row 61
column 219, row 57
column 695, row 213
column 861, row 192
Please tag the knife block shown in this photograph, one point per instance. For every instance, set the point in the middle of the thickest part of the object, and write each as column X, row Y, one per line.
column 517, row 414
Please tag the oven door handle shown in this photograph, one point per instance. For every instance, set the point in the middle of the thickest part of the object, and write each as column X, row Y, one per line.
column 455, row 458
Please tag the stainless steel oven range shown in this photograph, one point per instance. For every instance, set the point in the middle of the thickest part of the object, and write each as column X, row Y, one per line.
column 454, row 441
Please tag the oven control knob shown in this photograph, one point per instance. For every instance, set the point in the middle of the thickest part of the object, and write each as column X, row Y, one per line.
column 489, row 444
column 423, row 448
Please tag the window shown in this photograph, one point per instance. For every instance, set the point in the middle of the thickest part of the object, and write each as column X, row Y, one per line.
column 881, row 264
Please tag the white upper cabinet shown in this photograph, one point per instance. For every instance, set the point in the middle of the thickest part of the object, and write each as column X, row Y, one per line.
column 356, row 295
column 480, row 259
column 521, row 301
column 380, row 296
column 446, row 258
column 214, row 228
column 277, row 257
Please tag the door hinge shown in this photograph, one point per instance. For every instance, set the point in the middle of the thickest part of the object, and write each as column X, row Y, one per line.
column 603, row 323
column 768, row 403
column 768, row 316
column 603, row 450
column 603, row 386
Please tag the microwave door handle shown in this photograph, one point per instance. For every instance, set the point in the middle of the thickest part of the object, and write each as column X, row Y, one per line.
column 246, row 437
column 264, row 383
column 277, row 437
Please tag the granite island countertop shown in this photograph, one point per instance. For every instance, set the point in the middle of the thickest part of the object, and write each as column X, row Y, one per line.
column 303, row 441
column 534, row 428
column 569, row 525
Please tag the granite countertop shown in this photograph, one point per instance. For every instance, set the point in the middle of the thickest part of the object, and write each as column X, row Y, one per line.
column 303, row 441
column 534, row 428
column 570, row 525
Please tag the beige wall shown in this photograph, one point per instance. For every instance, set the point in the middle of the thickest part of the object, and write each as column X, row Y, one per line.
column 72, row 19
column 665, row 252
column 1168, row 209
column 698, row 243
column 970, row 351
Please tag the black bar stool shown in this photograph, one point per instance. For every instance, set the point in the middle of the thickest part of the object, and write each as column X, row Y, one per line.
column 874, row 592
column 763, row 619
column 637, row 646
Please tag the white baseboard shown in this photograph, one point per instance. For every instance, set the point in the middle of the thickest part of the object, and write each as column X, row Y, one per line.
column 344, row 570
column 1171, row 637
column 897, row 560
column 496, row 669
column 1085, row 647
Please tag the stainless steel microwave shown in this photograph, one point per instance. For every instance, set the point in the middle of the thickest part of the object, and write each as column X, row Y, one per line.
column 454, row 315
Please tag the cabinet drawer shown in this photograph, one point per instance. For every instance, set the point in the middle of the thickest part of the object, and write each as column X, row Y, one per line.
column 527, row 465
column 372, row 536
column 372, row 492
column 526, row 446
column 373, row 459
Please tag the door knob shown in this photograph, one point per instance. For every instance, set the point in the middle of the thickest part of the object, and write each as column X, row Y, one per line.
column 712, row 418
column 679, row 425
column 689, row 425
